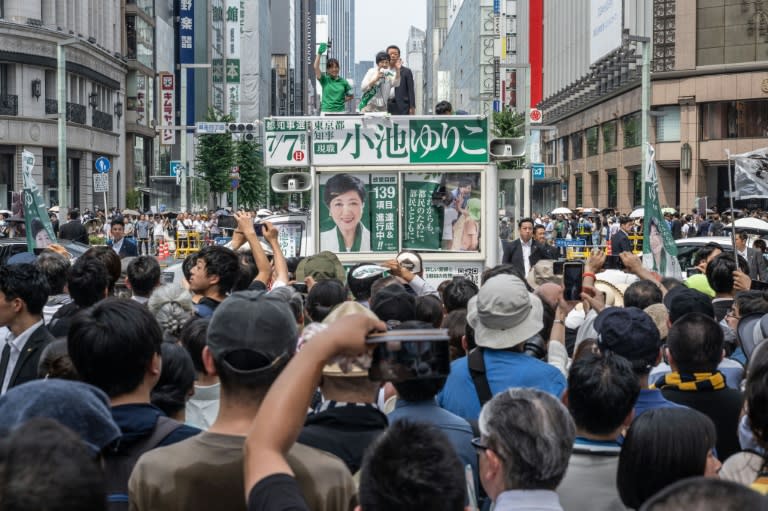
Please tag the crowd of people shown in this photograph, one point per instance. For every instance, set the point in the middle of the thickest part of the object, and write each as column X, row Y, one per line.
column 249, row 388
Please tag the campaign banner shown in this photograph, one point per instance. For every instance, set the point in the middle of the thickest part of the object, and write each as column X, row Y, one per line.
column 38, row 226
column 660, row 253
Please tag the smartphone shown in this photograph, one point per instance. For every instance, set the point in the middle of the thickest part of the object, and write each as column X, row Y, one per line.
column 572, row 277
column 613, row 262
column 402, row 355
column 259, row 228
column 557, row 267
column 758, row 285
column 300, row 287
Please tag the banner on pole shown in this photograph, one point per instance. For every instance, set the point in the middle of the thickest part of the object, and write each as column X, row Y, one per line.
column 38, row 225
column 659, row 249
column 750, row 176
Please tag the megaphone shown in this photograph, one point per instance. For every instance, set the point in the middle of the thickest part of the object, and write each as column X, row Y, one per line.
column 291, row 182
column 507, row 148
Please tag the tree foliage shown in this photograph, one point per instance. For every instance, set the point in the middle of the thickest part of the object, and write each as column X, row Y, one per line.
column 252, row 190
column 215, row 157
column 508, row 124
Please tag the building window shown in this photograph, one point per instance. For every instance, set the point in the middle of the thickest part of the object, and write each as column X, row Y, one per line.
column 564, row 148
column 663, row 35
column 579, row 191
column 734, row 119
column 637, row 188
column 595, row 187
column 613, row 194
column 577, row 142
column 631, row 125
column 593, row 138
column 729, row 31
column 668, row 124
column 139, row 40
column 550, row 150
column 609, row 136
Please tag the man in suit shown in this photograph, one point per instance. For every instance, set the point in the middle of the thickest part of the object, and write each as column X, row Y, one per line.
column 523, row 253
column 124, row 247
column 757, row 266
column 23, row 293
column 620, row 241
column 540, row 237
column 74, row 229
column 404, row 101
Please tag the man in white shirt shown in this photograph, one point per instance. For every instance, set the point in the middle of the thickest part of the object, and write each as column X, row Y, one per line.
column 23, row 293
column 523, row 253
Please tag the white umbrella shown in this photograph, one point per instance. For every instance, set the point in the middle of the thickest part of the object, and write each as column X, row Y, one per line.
column 638, row 213
column 749, row 224
column 54, row 209
column 561, row 211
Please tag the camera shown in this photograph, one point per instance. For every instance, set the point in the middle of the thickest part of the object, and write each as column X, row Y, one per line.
column 402, row 355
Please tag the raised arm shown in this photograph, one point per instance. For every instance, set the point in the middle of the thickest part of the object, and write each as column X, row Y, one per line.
column 245, row 226
column 280, row 266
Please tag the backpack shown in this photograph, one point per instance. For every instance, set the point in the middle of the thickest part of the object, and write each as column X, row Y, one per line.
column 118, row 467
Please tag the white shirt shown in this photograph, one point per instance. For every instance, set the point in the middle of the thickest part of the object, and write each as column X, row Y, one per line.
column 527, row 500
column 17, row 346
column 526, row 255
column 117, row 245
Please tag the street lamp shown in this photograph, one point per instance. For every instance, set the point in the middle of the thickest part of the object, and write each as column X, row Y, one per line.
column 184, row 127
column 61, row 93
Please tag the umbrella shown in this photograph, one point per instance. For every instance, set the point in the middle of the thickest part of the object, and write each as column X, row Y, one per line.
column 638, row 213
column 5, row 212
column 54, row 209
column 671, row 211
column 749, row 224
column 131, row 212
column 561, row 211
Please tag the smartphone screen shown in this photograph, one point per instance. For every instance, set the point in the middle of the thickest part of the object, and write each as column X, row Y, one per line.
column 402, row 355
column 572, row 276
column 259, row 228
column 557, row 267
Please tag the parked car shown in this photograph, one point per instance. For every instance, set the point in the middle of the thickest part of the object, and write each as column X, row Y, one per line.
column 12, row 246
column 687, row 248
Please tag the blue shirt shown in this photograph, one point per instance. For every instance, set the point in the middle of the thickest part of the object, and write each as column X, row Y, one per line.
column 504, row 369
column 650, row 399
column 458, row 430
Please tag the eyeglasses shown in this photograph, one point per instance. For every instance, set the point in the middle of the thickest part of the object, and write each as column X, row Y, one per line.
column 478, row 444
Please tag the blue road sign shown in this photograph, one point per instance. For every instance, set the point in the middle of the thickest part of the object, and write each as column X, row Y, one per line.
column 538, row 170
column 102, row 165
column 174, row 166
column 235, row 184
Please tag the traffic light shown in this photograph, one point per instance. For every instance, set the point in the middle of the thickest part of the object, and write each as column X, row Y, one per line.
column 245, row 131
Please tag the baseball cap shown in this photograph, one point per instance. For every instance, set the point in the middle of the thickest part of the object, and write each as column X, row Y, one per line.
column 393, row 302
column 680, row 300
column 629, row 332
column 252, row 332
column 410, row 261
column 503, row 313
column 322, row 266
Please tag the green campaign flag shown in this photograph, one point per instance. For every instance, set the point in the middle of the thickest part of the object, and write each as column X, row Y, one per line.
column 659, row 249
column 39, row 229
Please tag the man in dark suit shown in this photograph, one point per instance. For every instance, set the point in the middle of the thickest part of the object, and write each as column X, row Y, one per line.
column 523, row 253
column 540, row 237
column 124, row 247
column 404, row 102
column 620, row 241
column 74, row 229
column 23, row 293
column 757, row 266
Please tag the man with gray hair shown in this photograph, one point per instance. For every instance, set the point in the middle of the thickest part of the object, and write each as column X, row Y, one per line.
column 526, row 438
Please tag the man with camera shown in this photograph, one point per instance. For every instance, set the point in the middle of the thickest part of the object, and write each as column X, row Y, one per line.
column 504, row 316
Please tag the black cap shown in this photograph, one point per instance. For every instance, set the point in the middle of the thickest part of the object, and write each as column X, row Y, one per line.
column 631, row 333
column 681, row 300
column 394, row 303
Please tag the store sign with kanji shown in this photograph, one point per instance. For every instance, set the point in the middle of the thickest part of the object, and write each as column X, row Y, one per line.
column 168, row 102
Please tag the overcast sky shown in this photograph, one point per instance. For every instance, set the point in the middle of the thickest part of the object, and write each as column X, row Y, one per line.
column 379, row 24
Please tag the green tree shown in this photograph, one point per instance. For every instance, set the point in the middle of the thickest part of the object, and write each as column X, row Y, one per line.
column 508, row 124
column 215, row 157
column 252, row 190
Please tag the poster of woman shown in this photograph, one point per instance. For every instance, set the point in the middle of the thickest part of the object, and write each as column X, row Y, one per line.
column 344, row 196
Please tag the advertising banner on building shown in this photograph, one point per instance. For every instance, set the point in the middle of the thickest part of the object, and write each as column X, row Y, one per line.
column 38, row 225
column 168, row 109
column 187, row 53
column 605, row 24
